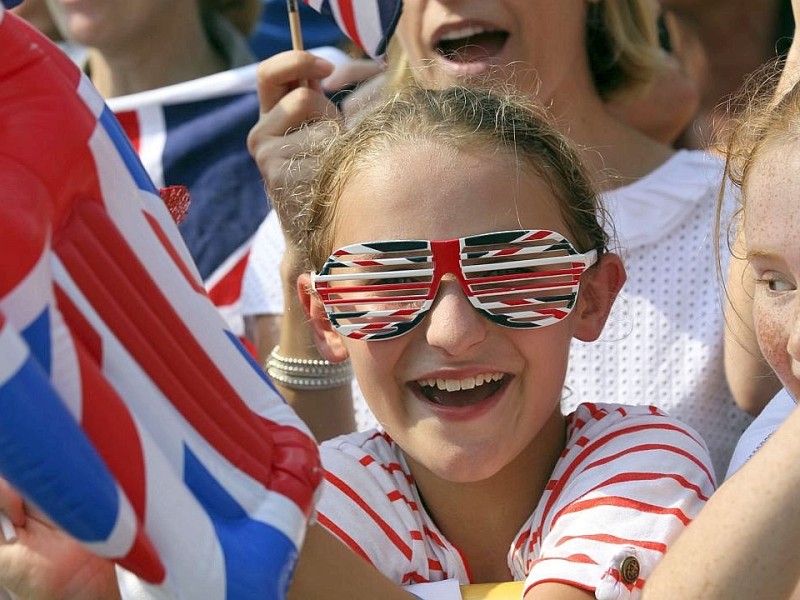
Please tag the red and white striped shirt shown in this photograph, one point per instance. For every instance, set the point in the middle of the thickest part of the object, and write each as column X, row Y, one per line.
column 628, row 482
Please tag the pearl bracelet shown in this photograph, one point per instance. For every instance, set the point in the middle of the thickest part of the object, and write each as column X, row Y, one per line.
column 307, row 373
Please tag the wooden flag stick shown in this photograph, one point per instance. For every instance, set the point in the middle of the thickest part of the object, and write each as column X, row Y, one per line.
column 296, row 30
column 294, row 24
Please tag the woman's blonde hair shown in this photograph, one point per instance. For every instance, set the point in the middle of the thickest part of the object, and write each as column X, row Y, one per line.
column 467, row 119
column 622, row 43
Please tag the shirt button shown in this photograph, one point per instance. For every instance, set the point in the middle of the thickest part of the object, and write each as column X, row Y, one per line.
column 629, row 569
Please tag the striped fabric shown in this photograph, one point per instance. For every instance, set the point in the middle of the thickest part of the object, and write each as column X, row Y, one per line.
column 628, row 482
column 369, row 23
column 129, row 412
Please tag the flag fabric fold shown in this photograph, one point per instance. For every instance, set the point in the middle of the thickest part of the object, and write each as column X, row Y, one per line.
column 368, row 23
column 194, row 134
column 129, row 411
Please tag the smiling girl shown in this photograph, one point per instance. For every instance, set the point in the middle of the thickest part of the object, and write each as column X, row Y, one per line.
column 455, row 252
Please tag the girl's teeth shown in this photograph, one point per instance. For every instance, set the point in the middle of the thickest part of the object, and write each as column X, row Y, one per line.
column 455, row 385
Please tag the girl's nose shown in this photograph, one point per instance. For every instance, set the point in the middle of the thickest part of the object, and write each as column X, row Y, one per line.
column 452, row 323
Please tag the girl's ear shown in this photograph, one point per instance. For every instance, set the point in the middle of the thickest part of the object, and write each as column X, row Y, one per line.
column 599, row 288
column 329, row 343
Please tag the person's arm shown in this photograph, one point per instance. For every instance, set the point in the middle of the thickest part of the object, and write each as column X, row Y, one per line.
column 791, row 69
column 329, row 570
column 744, row 543
column 274, row 142
column 327, row 413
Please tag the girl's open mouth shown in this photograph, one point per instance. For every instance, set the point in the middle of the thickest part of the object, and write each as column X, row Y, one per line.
column 461, row 393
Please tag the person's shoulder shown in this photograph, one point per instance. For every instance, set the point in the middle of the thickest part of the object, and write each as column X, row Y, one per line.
column 629, row 438
column 371, row 450
column 596, row 420
column 588, row 414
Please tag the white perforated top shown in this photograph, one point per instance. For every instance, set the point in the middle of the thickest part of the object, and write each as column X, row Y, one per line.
column 664, row 339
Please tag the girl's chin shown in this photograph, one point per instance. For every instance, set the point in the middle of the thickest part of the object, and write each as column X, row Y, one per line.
column 459, row 465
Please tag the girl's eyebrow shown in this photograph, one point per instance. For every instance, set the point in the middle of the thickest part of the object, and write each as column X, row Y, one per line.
column 762, row 255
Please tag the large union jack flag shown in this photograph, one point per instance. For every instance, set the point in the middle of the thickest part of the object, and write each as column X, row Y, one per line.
column 195, row 134
column 129, row 412
column 369, row 23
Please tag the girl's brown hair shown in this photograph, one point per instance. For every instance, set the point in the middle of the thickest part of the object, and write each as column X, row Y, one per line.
column 467, row 119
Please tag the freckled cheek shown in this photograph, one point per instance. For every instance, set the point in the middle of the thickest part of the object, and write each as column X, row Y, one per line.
column 773, row 338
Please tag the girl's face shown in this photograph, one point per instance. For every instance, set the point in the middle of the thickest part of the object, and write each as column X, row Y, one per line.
column 535, row 44
column 435, row 193
column 772, row 231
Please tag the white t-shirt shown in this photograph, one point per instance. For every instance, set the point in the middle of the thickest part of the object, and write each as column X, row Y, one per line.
column 760, row 430
column 663, row 343
column 628, row 482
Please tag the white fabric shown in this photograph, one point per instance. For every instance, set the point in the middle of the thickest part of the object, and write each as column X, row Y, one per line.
column 627, row 483
column 760, row 430
column 439, row 590
column 262, row 291
column 663, row 342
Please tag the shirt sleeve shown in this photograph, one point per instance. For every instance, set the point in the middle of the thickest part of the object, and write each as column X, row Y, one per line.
column 630, row 481
column 262, row 289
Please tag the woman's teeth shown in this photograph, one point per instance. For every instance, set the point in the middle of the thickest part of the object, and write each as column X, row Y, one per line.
column 464, row 32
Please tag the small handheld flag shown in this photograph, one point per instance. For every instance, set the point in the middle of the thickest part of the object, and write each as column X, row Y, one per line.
column 369, row 23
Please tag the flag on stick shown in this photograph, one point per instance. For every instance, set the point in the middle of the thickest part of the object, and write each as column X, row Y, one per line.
column 369, row 23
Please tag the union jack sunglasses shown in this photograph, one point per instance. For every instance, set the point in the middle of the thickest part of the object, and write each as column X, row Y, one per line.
column 522, row 279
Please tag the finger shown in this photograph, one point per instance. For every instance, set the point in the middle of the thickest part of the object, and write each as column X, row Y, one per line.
column 279, row 135
column 350, row 73
column 11, row 504
column 295, row 109
column 280, row 74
